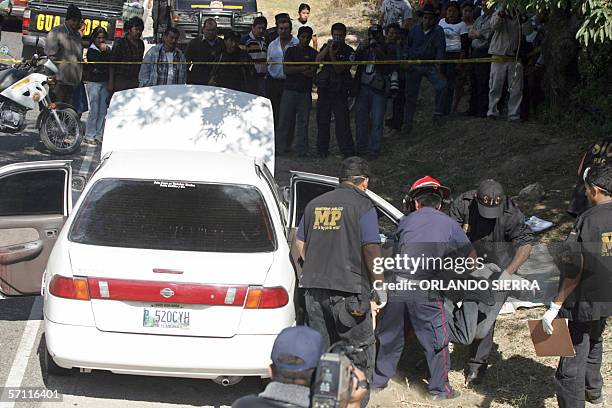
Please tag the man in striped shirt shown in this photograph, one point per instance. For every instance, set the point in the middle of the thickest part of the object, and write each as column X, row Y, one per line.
column 254, row 43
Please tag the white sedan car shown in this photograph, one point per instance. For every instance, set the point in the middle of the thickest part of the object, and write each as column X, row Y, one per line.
column 177, row 259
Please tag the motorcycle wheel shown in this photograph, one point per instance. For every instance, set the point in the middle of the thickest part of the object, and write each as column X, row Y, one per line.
column 52, row 136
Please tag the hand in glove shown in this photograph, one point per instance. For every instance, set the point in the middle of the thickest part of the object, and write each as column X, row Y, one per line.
column 549, row 316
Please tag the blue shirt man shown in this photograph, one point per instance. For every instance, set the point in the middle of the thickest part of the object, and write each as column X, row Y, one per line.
column 425, row 233
column 425, row 41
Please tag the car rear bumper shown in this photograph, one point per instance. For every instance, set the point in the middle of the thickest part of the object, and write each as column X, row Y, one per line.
column 171, row 356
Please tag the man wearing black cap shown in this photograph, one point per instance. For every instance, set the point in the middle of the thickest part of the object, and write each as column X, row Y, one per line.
column 338, row 238
column 496, row 227
column 64, row 44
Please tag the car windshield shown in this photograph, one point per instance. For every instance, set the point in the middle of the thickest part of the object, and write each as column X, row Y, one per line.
column 172, row 215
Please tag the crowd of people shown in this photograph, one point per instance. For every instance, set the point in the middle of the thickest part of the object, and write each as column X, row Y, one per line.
column 450, row 31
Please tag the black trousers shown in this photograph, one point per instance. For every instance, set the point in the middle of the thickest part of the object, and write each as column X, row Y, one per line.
column 327, row 313
column 479, row 84
column 399, row 101
column 275, row 94
column 336, row 103
column 480, row 351
column 580, row 377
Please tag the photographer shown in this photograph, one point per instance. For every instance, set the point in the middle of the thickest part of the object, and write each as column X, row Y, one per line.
column 371, row 82
column 295, row 356
column 338, row 238
column 333, row 83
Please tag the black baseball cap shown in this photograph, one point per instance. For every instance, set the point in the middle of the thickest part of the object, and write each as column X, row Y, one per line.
column 490, row 198
column 299, row 341
column 354, row 166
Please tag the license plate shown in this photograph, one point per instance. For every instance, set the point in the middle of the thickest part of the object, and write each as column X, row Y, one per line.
column 165, row 318
column 45, row 22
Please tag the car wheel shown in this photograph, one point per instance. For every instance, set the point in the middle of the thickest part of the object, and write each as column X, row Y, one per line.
column 51, row 368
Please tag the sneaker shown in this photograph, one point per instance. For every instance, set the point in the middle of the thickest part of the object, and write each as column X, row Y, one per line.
column 443, row 397
column 90, row 141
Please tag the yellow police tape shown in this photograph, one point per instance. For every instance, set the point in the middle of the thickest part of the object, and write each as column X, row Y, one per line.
column 393, row 62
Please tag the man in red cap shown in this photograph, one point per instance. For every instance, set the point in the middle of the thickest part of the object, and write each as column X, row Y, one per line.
column 426, row 232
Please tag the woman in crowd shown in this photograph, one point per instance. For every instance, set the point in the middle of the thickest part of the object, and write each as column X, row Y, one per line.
column 98, row 53
column 456, row 33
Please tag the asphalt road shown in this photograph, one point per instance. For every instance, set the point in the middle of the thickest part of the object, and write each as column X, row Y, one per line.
column 21, row 330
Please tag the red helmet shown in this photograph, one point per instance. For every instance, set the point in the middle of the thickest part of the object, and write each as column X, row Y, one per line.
column 431, row 183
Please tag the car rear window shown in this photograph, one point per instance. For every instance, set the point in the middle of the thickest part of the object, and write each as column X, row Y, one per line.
column 173, row 215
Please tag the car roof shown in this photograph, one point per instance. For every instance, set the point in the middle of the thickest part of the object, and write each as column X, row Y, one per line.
column 190, row 117
column 177, row 165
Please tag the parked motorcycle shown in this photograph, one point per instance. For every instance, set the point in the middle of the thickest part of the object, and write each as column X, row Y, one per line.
column 25, row 85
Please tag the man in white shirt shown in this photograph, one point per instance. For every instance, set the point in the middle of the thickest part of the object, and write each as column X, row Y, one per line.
column 276, row 73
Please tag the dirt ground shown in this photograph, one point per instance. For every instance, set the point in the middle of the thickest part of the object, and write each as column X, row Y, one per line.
column 460, row 152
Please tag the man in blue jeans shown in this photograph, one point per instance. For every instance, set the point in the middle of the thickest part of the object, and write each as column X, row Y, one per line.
column 425, row 41
column 371, row 102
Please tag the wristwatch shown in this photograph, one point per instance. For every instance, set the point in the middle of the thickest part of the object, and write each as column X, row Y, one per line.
column 365, row 384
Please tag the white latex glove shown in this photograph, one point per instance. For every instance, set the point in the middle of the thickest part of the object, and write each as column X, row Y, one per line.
column 549, row 316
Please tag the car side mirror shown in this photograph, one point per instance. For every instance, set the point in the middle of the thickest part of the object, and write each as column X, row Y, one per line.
column 78, row 183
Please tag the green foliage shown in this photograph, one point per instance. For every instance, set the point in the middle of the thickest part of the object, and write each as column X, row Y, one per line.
column 595, row 16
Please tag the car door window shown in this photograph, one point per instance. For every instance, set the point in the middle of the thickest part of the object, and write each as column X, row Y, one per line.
column 33, row 193
column 304, row 192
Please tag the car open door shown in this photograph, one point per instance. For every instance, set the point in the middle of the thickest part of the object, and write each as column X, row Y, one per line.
column 303, row 187
column 35, row 200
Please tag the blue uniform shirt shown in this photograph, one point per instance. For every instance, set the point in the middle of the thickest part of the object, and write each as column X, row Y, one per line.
column 429, row 233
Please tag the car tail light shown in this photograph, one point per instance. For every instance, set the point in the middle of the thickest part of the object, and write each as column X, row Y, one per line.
column 21, row 2
column 166, row 292
column 118, row 28
column 266, row 298
column 25, row 25
column 69, row 288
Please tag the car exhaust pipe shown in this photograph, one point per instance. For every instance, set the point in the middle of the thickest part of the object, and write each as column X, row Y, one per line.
column 226, row 381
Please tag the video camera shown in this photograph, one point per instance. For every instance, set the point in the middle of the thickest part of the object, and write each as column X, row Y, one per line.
column 331, row 387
